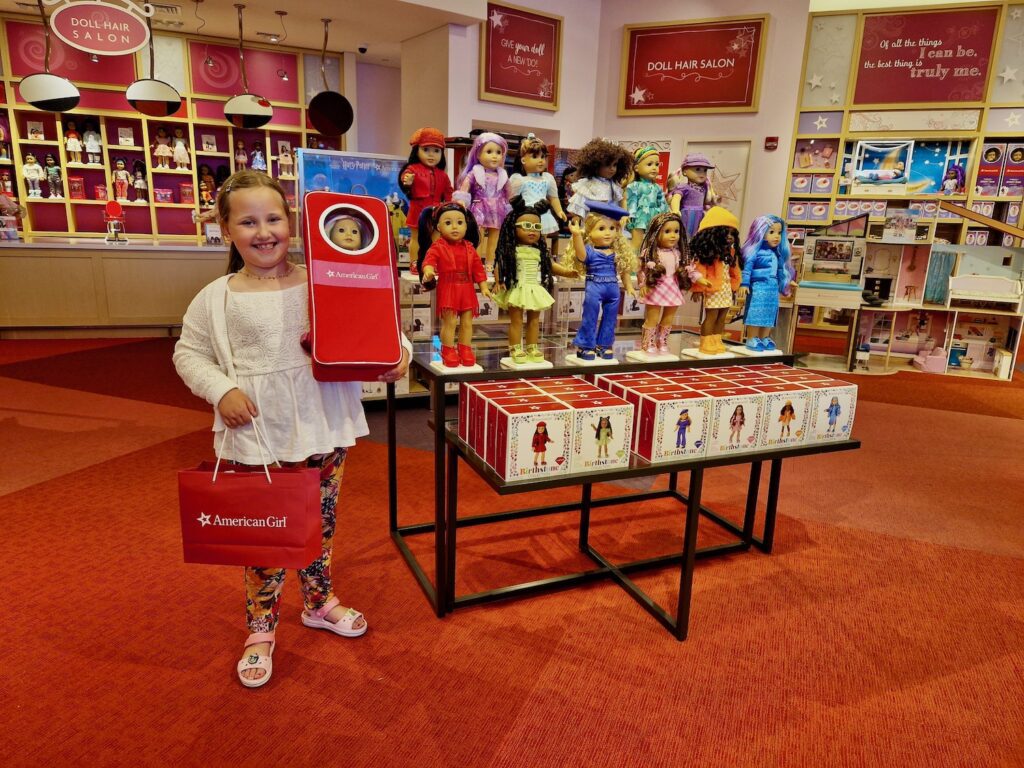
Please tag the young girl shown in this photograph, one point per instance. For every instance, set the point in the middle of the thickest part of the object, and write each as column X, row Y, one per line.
column 600, row 251
column 532, row 181
column 644, row 198
column 541, row 438
column 736, row 422
column 602, row 169
column 664, row 272
column 523, row 273
column 603, row 435
column 833, row 411
column 690, row 191
column 484, row 190
column 786, row 417
column 239, row 350
column 767, row 274
column 682, row 424
column 456, row 264
column 715, row 254
column 424, row 181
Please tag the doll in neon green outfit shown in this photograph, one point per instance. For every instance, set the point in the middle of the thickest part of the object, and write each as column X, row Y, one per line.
column 603, row 435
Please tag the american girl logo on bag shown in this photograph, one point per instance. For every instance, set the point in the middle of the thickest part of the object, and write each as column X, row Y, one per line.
column 242, row 522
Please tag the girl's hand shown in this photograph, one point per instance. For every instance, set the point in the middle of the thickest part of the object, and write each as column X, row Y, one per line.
column 399, row 371
column 236, row 409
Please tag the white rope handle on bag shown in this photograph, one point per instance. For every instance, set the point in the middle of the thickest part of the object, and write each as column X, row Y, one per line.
column 260, row 441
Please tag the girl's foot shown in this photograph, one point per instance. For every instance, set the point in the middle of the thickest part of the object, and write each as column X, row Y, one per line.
column 259, row 649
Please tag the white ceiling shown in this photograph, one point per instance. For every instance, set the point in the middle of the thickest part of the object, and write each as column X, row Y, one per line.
column 380, row 25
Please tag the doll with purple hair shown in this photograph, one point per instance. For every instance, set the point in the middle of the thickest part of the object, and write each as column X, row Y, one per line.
column 484, row 190
column 954, row 181
column 766, row 275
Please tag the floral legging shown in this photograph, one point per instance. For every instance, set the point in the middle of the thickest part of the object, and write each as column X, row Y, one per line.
column 263, row 585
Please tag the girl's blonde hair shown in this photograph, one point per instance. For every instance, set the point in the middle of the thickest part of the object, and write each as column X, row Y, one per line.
column 625, row 259
column 245, row 180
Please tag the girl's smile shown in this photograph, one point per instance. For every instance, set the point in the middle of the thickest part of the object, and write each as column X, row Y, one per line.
column 259, row 229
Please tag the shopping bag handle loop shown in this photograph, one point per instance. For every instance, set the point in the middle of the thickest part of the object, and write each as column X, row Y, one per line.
column 261, row 442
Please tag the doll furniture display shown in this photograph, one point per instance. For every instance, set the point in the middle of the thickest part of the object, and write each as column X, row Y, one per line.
column 990, row 288
column 931, row 361
column 113, row 216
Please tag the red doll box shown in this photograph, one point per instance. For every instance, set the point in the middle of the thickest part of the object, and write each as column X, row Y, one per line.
column 76, row 187
column 473, row 407
column 557, row 381
column 756, row 381
column 990, row 169
column 787, row 415
column 99, row 192
column 672, row 425
column 746, row 407
column 487, row 436
column 1013, row 170
column 582, row 388
column 605, row 380
column 351, row 291
column 525, row 452
column 621, row 388
column 635, row 395
column 592, row 448
column 187, row 192
column 832, row 413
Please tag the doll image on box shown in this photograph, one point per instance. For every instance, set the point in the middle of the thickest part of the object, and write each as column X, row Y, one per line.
column 141, row 187
column 285, row 163
column 93, row 144
column 644, row 198
column 602, row 435
column 833, row 411
column 425, row 182
column 683, row 423
column 954, row 181
column 602, row 167
column 72, row 142
column 54, row 179
column 767, row 274
column 786, row 417
column 258, row 161
column 600, row 251
column 161, row 148
column 540, row 441
column 241, row 156
column 533, row 183
column 33, row 173
column 121, row 180
column 182, row 159
column 716, row 256
column 690, row 192
column 664, row 271
column 459, row 271
column 484, row 190
column 736, row 422
column 522, row 273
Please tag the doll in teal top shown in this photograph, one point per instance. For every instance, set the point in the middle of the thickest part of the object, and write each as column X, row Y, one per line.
column 645, row 199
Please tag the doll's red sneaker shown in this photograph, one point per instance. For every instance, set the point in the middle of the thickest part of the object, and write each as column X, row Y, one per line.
column 450, row 357
column 466, row 355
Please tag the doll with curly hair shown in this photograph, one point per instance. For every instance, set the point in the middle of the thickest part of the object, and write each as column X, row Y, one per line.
column 602, row 167
column 716, row 256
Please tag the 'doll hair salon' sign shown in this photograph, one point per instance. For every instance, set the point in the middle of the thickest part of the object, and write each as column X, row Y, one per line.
column 97, row 27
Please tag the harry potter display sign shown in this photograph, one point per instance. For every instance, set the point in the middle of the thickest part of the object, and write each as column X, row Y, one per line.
column 520, row 57
column 692, row 66
column 98, row 27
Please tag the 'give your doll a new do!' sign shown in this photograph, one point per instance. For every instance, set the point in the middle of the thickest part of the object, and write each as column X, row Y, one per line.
column 520, row 57
column 927, row 57
column 692, row 66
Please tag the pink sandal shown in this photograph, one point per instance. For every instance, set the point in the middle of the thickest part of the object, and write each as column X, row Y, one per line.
column 257, row 661
column 318, row 620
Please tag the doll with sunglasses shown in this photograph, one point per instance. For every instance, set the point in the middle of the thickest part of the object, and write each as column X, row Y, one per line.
column 690, row 192
column 532, row 181
column 644, row 196
column 717, row 257
column 602, row 169
column 522, row 272
column 424, row 181
column 483, row 188
column 459, row 272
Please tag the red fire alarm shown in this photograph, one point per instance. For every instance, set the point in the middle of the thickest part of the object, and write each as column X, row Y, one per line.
column 771, row 143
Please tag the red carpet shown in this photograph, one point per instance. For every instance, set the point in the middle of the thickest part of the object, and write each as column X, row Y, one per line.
column 887, row 628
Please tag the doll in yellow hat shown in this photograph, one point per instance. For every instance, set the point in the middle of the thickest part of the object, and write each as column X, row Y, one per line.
column 716, row 254
column 424, row 181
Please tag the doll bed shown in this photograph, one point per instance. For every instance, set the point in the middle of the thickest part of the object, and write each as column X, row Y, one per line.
column 984, row 287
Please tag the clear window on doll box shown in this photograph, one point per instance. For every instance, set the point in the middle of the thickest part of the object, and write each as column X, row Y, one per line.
column 349, row 229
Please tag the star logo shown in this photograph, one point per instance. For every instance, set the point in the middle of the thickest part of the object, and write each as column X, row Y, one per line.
column 821, row 123
column 1013, row 119
column 815, row 81
column 331, row 273
column 1008, row 74
column 204, row 519
column 725, row 185
column 497, row 20
column 638, row 96
column 1015, row 14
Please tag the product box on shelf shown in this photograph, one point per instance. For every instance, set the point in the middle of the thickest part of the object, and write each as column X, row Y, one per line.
column 823, row 183
column 835, row 403
column 736, row 415
column 841, row 209
column 990, row 169
column 797, row 210
column 532, row 441
column 1013, row 171
column 556, row 382
column 1012, row 213
column 787, row 415
column 472, row 400
column 76, row 187
column 672, row 425
column 817, row 211
column 8, row 228
column 487, row 416
column 186, row 192
column 801, row 183
column 99, row 192
column 601, row 430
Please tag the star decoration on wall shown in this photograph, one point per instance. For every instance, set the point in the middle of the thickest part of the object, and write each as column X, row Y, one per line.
column 497, row 20
column 1009, row 73
column 835, row 98
column 638, row 96
column 1015, row 13
column 821, row 123
column 1019, row 40
column 725, row 185
column 832, row 85
column 1012, row 119
column 819, row 26
column 815, row 81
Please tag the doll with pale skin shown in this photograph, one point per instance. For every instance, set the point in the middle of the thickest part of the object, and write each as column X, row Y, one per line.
column 644, row 197
column 766, row 275
column 241, row 156
column 690, row 191
column 424, row 181
column 484, row 189
column 457, row 267
column 346, row 233
column 533, row 183
column 73, row 143
column 33, row 173
column 162, row 148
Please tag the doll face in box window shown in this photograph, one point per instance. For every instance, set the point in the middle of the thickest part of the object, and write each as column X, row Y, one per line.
column 491, row 156
column 604, row 232
column 648, row 167
column 452, row 226
column 696, row 174
column 528, row 229
column 346, row 234
column 668, row 237
column 535, row 163
column 773, row 236
column 429, row 156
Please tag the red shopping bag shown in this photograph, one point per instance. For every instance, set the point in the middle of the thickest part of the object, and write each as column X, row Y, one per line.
column 255, row 516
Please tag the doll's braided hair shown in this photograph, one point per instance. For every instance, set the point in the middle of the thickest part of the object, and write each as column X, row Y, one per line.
column 651, row 265
column 597, row 153
column 505, row 250
column 712, row 244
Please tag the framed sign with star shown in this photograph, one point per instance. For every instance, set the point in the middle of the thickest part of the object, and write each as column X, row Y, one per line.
column 677, row 67
column 520, row 57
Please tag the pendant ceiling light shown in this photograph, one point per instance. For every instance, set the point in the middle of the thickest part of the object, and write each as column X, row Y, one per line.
column 50, row 93
column 247, row 110
column 150, row 96
column 329, row 112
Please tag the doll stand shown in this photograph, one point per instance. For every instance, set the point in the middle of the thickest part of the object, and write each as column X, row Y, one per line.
column 507, row 363
column 442, row 368
column 740, row 349
column 695, row 352
column 574, row 360
column 638, row 355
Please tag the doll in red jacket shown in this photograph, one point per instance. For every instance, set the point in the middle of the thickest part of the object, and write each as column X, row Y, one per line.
column 459, row 271
column 424, row 180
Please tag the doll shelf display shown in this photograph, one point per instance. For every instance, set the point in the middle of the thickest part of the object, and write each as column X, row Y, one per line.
column 140, row 185
column 241, row 156
column 73, row 143
column 522, row 275
column 766, row 275
column 600, row 251
column 602, row 169
column 484, row 190
column 953, row 183
column 424, row 181
column 258, row 161
column 455, row 263
column 179, row 151
column 645, row 199
column 690, row 192
column 533, row 183
column 54, row 178
column 716, row 256
column 33, row 174
column 285, row 163
column 207, row 186
column 121, row 180
column 93, row 143
column 664, row 271
column 161, row 148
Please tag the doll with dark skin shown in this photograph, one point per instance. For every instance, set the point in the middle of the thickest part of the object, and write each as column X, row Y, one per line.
column 457, row 266
column 54, row 180
column 522, row 272
column 716, row 256
column 602, row 167
column 424, row 181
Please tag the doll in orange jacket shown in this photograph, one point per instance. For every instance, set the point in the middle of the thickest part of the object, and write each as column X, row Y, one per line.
column 715, row 250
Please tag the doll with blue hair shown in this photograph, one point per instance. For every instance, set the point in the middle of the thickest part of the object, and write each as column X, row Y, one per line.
column 484, row 189
column 766, row 275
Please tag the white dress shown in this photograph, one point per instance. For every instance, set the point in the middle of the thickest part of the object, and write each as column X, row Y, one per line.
column 180, row 151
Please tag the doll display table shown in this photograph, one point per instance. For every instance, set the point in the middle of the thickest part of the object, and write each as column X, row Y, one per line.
column 450, row 451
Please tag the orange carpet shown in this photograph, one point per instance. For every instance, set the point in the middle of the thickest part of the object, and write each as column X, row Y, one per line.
column 886, row 629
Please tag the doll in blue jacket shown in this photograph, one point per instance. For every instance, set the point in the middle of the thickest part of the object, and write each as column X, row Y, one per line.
column 767, row 274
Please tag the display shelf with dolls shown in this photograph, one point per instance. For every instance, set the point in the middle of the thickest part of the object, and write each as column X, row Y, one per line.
column 161, row 149
column 602, row 167
column 766, row 275
column 645, row 198
column 139, row 183
column 33, row 174
column 180, row 150
column 258, row 160
column 533, row 183
column 483, row 189
column 690, row 193
column 715, row 250
column 600, row 251
column 5, row 147
column 455, row 263
column 285, row 163
column 241, row 156
column 121, row 180
column 522, row 277
column 92, row 141
column 73, row 143
column 664, row 271
column 54, row 177
column 424, row 181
